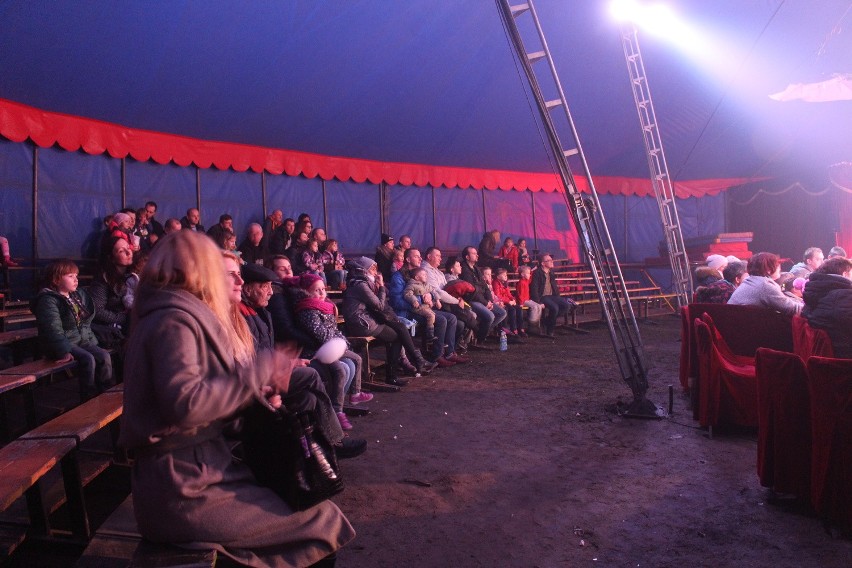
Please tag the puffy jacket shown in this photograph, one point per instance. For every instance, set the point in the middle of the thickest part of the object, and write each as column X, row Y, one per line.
column 828, row 306
column 57, row 326
column 396, row 293
column 364, row 308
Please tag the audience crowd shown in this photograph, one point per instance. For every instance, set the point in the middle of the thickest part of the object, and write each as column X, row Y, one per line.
column 202, row 326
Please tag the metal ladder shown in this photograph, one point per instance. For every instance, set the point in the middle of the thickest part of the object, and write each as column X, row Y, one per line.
column 660, row 178
column 586, row 211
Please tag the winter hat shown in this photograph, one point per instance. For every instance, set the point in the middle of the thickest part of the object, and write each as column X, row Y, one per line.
column 717, row 262
column 307, row 280
column 731, row 258
column 362, row 262
column 120, row 218
column 799, row 283
column 257, row 273
column 386, row 238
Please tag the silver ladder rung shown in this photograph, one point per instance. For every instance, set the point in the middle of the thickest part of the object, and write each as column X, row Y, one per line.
column 535, row 56
column 519, row 9
column 572, row 152
column 553, row 103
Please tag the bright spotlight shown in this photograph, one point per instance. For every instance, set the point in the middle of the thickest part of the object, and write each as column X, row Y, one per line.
column 658, row 20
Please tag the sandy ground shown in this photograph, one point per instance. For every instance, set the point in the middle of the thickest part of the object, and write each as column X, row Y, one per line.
column 513, row 460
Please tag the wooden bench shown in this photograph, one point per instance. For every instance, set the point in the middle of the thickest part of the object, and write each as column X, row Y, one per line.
column 10, row 383
column 362, row 344
column 77, row 425
column 23, row 463
column 40, row 368
column 118, row 544
column 18, row 315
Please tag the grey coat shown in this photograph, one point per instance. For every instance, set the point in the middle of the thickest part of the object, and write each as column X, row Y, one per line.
column 763, row 291
column 180, row 381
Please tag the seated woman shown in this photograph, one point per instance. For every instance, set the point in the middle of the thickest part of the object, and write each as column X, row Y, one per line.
column 719, row 292
column 333, row 263
column 828, row 303
column 318, row 317
column 510, row 252
column 108, row 289
column 368, row 314
column 191, row 366
column 760, row 288
column 64, row 317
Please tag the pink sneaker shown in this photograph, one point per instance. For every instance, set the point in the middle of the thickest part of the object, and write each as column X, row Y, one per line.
column 344, row 421
column 360, row 397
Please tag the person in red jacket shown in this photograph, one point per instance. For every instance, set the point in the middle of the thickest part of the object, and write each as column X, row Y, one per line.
column 509, row 251
column 515, row 316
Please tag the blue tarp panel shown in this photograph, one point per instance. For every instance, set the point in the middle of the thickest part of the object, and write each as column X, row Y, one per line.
column 510, row 212
column 410, row 213
column 459, row 218
column 170, row 186
column 295, row 195
column 75, row 192
column 616, row 221
column 354, row 216
column 240, row 194
column 555, row 228
column 16, row 197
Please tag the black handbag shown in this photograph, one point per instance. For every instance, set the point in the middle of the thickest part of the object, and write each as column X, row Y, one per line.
column 290, row 455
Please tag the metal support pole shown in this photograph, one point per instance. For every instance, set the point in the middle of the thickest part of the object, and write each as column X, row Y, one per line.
column 123, row 183
column 263, row 193
column 35, row 203
column 534, row 220
column 434, row 219
column 198, row 188
column 324, row 207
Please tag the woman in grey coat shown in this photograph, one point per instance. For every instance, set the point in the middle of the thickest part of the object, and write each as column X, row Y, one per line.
column 190, row 367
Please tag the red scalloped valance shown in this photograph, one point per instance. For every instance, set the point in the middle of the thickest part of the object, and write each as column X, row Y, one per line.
column 20, row 122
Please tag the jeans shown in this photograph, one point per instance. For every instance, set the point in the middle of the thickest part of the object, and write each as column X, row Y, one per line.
column 94, row 369
column 555, row 305
column 488, row 319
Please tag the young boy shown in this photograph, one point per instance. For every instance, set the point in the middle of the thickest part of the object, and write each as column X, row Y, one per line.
column 64, row 318
column 417, row 294
column 522, row 291
column 514, row 317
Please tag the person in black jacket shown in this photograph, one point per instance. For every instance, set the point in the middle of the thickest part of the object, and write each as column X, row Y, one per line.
column 368, row 314
column 488, row 315
column 828, row 303
column 545, row 290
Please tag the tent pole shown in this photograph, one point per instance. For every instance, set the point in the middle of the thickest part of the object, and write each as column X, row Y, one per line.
column 35, row 203
column 534, row 220
column 324, row 207
column 434, row 220
column 484, row 214
column 263, row 192
column 198, row 188
column 123, row 182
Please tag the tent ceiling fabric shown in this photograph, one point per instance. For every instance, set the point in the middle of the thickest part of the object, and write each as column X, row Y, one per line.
column 432, row 83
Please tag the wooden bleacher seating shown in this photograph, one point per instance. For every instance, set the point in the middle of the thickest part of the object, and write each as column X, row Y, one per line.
column 12, row 383
column 117, row 543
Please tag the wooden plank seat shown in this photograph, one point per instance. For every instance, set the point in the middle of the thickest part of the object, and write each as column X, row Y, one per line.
column 118, row 544
column 10, row 383
column 40, row 368
column 18, row 335
column 23, row 464
column 77, row 425
column 12, row 316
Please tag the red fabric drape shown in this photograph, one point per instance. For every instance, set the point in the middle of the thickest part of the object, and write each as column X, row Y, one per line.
column 19, row 122
column 784, row 416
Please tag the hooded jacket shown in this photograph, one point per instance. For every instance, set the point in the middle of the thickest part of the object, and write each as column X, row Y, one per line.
column 364, row 307
column 828, row 306
column 57, row 325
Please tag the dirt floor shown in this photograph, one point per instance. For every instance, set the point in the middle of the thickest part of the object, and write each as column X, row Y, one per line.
column 513, row 460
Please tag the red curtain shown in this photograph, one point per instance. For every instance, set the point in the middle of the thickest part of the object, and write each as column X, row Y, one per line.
column 20, row 122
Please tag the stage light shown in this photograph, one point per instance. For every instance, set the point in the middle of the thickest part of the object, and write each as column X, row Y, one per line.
column 658, row 20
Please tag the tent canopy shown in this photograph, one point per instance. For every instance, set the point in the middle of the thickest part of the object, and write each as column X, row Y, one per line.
column 435, row 83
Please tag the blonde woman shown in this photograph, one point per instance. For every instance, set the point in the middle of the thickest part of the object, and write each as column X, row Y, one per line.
column 190, row 366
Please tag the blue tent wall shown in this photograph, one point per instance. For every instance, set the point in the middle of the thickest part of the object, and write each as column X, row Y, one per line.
column 16, row 196
column 76, row 190
column 170, row 186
